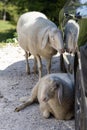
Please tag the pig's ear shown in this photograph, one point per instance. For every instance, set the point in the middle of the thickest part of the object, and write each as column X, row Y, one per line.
column 60, row 94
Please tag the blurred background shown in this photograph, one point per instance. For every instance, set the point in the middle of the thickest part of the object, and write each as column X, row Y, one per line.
column 10, row 10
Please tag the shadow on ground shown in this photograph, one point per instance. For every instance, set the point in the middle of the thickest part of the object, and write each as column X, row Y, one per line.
column 15, row 83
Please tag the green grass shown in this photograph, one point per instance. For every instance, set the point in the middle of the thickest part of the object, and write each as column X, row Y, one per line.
column 7, row 31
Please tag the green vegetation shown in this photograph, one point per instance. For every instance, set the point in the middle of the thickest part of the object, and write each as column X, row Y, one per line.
column 7, row 32
column 10, row 11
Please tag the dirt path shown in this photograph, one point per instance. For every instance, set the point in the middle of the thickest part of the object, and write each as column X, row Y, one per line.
column 15, row 83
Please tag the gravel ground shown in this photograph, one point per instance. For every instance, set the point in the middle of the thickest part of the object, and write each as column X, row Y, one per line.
column 15, row 83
